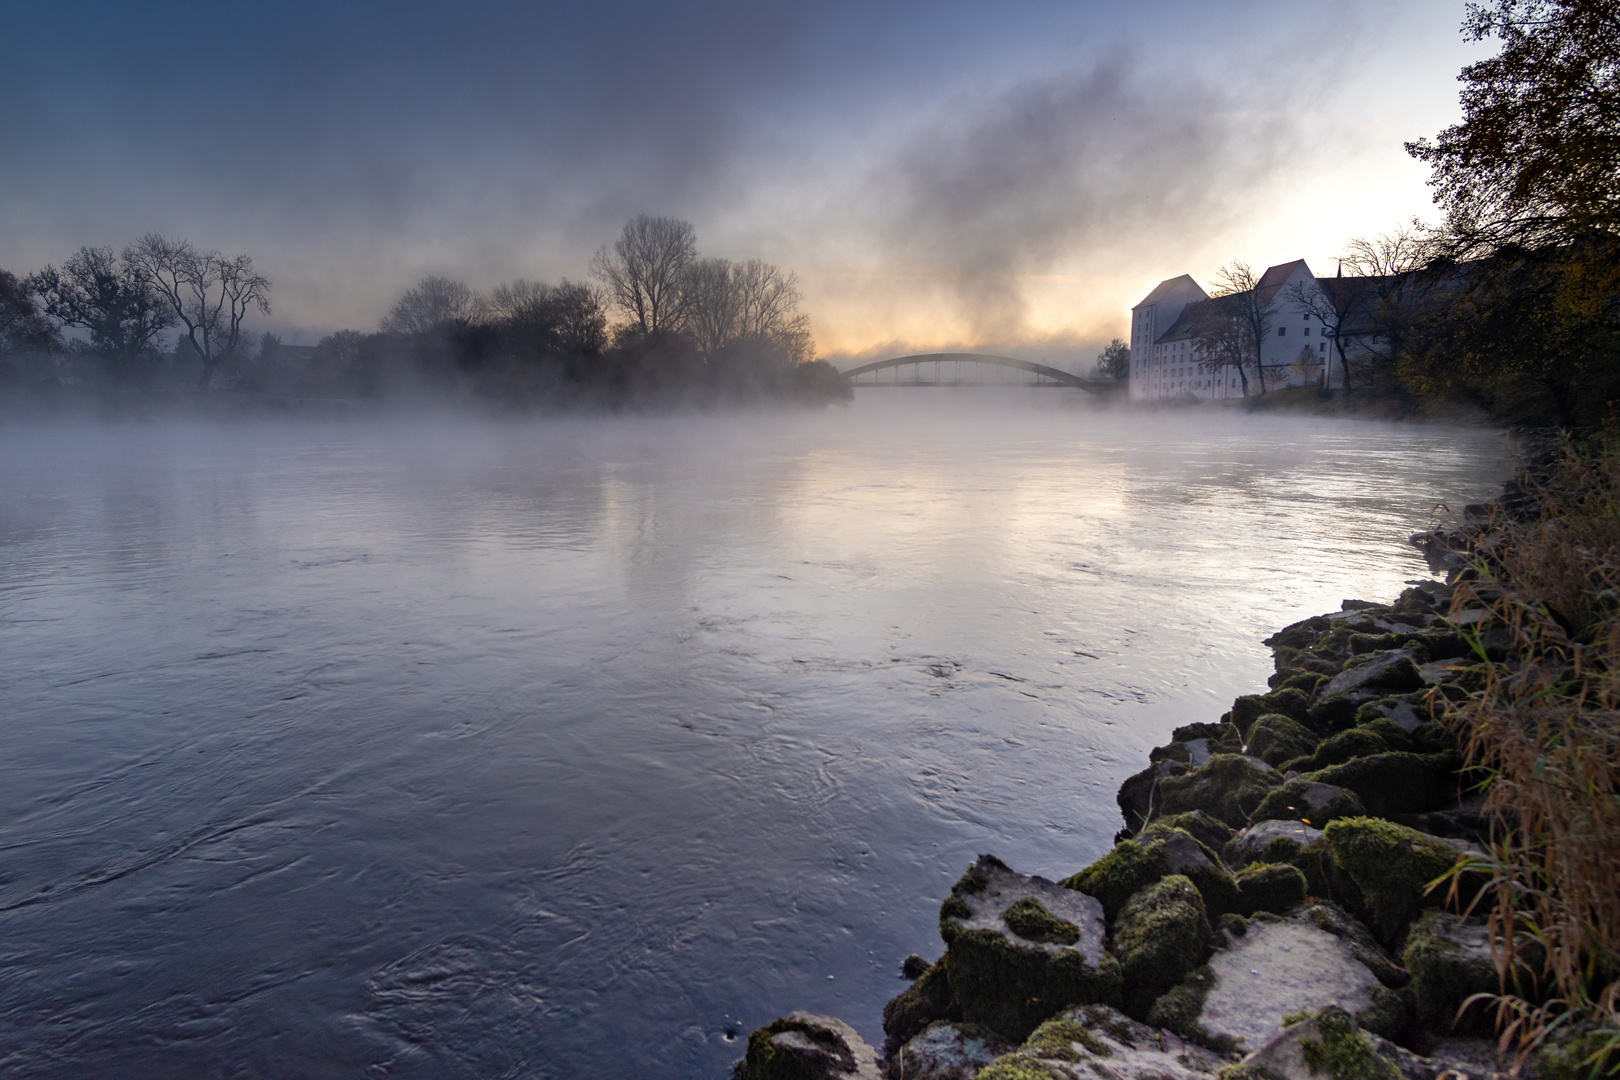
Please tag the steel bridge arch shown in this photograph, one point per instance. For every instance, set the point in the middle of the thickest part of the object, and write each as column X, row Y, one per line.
column 1062, row 378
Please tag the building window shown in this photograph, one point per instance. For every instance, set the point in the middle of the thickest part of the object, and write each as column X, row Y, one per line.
column 1282, row 331
column 1307, row 331
column 1321, row 346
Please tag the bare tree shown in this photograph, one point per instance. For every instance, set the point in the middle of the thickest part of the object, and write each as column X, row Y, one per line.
column 1220, row 336
column 209, row 293
column 566, row 319
column 432, row 304
column 644, row 272
column 748, row 308
column 713, row 305
column 1252, row 313
column 22, row 327
column 110, row 298
column 1392, row 293
column 1114, row 362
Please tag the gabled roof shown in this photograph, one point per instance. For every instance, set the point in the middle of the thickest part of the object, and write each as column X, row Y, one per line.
column 1170, row 285
column 1182, row 328
column 1272, row 281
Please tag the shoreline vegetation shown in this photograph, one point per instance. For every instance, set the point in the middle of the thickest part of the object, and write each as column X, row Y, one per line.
column 1401, row 860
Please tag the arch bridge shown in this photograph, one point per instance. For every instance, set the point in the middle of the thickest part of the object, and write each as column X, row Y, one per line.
column 970, row 369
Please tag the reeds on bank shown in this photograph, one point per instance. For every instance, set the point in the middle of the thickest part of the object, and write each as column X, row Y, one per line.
column 1542, row 724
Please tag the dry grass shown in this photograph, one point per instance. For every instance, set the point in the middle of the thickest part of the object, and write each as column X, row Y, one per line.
column 1545, row 727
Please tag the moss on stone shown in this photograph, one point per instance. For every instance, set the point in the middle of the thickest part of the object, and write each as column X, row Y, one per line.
column 764, row 1060
column 1301, row 634
column 1174, row 751
column 1056, row 1039
column 1161, row 935
column 1306, row 682
column 1342, row 1052
column 1013, row 1067
column 1275, row 738
column 1234, row 924
column 1244, row 1070
column 1337, row 749
column 1446, row 972
column 1179, row 1009
column 1011, row 989
column 1159, row 850
column 1274, row 887
column 1397, row 783
column 1114, row 877
column 954, row 907
column 1228, row 788
column 1189, row 732
column 1391, row 866
column 1290, row 702
column 1032, row 922
column 1206, row 830
column 1301, row 799
column 923, row 1002
column 1592, row 1053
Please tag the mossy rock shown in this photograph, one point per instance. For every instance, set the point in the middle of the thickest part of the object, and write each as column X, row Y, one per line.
column 1393, row 671
column 805, row 1046
column 1098, row 1041
column 1397, row 782
column 1329, row 916
column 1228, row 789
column 1180, row 1008
column 948, row 1051
column 1291, row 702
column 1159, row 851
column 1450, row 960
column 1206, row 830
column 1173, row 751
column 1337, row 749
column 1160, row 936
column 1114, row 877
column 1337, row 713
column 1139, row 796
column 1275, row 841
column 1306, row 682
column 1189, row 732
column 1309, row 801
column 1368, row 643
column 925, row 1001
column 1274, row 887
column 1589, row 1052
column 1009, row 982
column 1391, row 866
column 1329, row 1045
column 1275, row 738
column 1301, row 634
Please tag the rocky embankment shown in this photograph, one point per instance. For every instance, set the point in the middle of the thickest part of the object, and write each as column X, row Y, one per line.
column 1264, row 912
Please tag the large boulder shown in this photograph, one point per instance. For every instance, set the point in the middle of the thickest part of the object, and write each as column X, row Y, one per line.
column 1138, row 796
column 1391, row 867
column 1228, row 788
column 1097, row 1043
column 1162, row 934
column 947, row 1051
column 1278, row 967
column 1022, row 948
column 1291, row 702
column 805, row 1046
column 1200, row 826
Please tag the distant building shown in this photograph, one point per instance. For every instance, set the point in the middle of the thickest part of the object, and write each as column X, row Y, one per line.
column 1165, row 361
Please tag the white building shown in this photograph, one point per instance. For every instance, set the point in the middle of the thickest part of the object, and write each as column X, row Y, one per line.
column 1165, row 360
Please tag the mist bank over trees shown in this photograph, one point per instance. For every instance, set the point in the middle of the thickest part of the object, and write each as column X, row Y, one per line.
column 656, row 325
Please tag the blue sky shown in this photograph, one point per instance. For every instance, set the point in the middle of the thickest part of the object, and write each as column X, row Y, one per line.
column 1011, row 175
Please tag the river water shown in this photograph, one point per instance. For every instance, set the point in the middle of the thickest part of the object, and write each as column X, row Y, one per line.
column 435, row 747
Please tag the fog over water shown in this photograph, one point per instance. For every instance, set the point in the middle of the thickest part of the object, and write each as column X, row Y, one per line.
column 452, row 748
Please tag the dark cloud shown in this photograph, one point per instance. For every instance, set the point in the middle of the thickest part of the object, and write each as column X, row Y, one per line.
column 1107, row 157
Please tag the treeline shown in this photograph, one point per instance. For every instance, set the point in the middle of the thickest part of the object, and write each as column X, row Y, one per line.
column 658, row 324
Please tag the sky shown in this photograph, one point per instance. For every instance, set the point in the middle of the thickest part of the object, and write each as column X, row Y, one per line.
column 1005, row 177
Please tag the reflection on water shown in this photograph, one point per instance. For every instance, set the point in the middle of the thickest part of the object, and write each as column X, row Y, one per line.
column 434, row 748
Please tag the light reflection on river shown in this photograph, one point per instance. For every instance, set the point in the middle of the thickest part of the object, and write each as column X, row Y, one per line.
column 439, row 748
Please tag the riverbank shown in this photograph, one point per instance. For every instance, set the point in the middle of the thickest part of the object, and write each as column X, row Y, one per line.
column 1290, row 895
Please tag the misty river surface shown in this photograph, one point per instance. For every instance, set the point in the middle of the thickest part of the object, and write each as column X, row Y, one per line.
column 436, row 747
